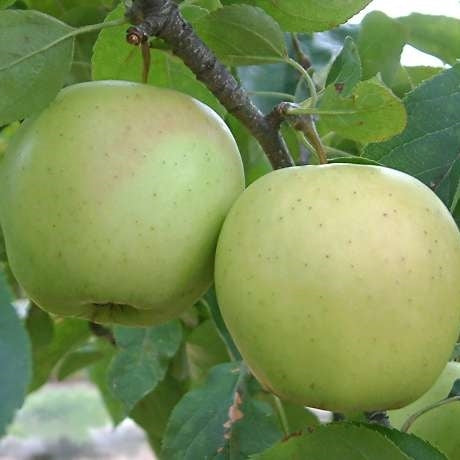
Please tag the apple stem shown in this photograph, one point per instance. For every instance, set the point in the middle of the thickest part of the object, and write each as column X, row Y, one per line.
column 408, row 423
column 162, row 18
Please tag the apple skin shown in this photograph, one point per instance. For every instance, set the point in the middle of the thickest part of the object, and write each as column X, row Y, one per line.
column 339, row 284
column 112, row 201
column 440, row 426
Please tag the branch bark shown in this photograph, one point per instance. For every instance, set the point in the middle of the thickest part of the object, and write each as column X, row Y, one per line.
column 162, row 18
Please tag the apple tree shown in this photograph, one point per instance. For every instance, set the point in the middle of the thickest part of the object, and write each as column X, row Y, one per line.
column 229, row 213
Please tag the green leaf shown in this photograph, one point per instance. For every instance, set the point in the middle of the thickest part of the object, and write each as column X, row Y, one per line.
column 6, row 3
column 345, row 72
column 308, row 15
column 337, row 441
column 142, row 360
column 40, row 326
column 31, row 70
column 152, row 412
column 98, row 375
column 14, row 359
column 429, row 146
column 456, row 352
column 411, row 445
column 114, row 59
column 80, row 358
column 204, row 349
column 242, row 35
column 380, row 44
column 299, row 418
column 193, row 13
column 436, row 35
column 455, row 391
column 220, row 416
column 371, row 113
column 68, row 334
column 418, row 74
column 210, row 301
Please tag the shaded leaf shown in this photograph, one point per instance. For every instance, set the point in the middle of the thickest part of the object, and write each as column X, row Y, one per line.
column 299, row 418
column 242, row 35
column 68, row 333
column 455, row 391
column 436, row 35
column 210, row 300
column 456, row 352
column 30, row 78
column 15, row 359
column 6, row 3
column 345, row 72
column 204, row 349
column 411, row 445
column 429, row 147
column 114, row 59
column 308, row 15
column 79, row 359
column 220, row 416
column 152, row 412
column 371, row 113
column 380, row 44
column 142, row 359
column 98, row 375
column 40, row 326
column 336, row 441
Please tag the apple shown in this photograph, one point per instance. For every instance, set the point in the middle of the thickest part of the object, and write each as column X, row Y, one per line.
column 340, row 285
column 112, row 200
column 439, row 426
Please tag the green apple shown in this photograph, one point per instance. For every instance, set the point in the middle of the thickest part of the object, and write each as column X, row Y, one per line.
column 340, row 285
column 439, row 426
column 112, row 200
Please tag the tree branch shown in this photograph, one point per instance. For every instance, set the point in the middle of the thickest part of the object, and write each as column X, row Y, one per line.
column 161, row 18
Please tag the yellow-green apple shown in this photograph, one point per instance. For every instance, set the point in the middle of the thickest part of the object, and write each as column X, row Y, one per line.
column 441, row 425
column 112, row 200
column 340, row 285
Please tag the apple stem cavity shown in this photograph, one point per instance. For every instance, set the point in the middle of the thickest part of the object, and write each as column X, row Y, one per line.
column 409, row 422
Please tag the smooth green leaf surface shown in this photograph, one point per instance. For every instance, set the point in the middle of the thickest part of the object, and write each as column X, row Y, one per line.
column 15, row 360
column 429, row 147
column 242, row 35
column 309, row 15
column 68, row 334
column 411, row 445
column 219, row 417
column 114, row 59
column 152, row 412
column 142, row 360
column 31, row 71
column 78, row 359
column 346, row 69
column 204, row 349
column 40, row 326
column 371, row 113
column 380, row 44
column 456, row 352
column 335, row 442
column 98, row 375
column 6, row 3
column 436, row 35
column 299, row 418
